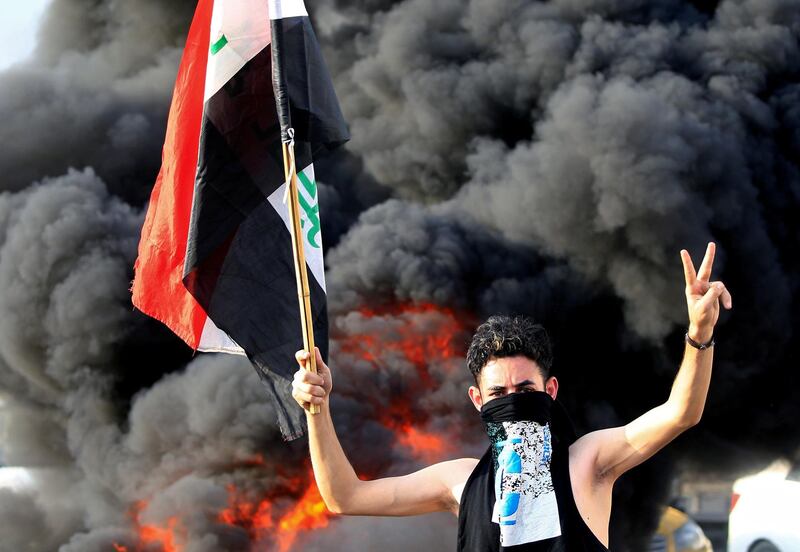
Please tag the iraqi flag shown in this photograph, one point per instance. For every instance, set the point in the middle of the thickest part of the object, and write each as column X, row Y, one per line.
column 215, row 257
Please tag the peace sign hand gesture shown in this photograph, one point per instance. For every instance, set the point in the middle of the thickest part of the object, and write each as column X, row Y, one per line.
column 703, row 296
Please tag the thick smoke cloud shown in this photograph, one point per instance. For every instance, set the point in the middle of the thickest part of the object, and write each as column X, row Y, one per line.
column 428, row 77
column 96, row 93
column 404, row 252
column 549, row 158
column 66, row 249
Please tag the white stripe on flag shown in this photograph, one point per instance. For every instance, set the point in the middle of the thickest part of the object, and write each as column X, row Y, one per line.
column 281, row 9
column 214, row 340
column 313, row 253
column 240, row 29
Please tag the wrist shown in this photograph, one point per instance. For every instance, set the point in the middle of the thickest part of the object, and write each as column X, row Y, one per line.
column 700, row 334
column 704, row 345
column 324, row 411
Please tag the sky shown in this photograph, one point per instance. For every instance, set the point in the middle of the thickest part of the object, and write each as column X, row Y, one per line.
column 19, row 22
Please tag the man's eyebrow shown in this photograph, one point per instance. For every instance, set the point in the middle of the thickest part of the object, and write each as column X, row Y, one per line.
column 525, row 383
column 496, row 388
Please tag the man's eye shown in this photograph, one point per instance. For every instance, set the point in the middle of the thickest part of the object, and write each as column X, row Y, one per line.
column 528, row 389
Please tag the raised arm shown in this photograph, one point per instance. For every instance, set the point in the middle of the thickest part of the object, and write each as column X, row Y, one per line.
column 428, row 490
column 614, row 451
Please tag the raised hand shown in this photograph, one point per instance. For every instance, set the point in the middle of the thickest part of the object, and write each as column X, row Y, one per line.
column 308, row 387
column 703, row 296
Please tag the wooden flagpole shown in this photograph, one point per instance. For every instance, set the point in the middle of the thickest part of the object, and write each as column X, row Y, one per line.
column 301, row 272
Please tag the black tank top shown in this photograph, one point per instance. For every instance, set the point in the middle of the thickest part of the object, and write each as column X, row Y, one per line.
column 478, row 533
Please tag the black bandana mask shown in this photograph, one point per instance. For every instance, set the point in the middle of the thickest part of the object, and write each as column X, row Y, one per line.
column 519, row 428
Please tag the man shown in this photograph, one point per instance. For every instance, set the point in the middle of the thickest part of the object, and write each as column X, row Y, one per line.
column 537, row 487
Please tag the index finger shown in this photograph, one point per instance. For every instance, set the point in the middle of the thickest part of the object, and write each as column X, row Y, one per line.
column 302, row 357
column 705, row 269
column 306, row 376
column 688, row 268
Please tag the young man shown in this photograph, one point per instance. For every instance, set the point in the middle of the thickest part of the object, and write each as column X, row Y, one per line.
column 537, row 487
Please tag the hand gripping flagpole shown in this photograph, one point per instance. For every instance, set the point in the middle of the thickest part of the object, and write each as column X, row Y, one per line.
column 300, row 269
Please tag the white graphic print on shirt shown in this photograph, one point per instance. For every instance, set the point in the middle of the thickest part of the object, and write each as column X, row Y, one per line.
column 525, row 501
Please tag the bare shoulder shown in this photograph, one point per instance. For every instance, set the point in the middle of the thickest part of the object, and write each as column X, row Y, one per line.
column 454, row 474
column 588, row 442
column 584, row 454
column 455, row 469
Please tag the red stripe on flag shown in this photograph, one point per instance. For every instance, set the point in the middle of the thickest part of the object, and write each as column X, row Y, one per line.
column 158, row 288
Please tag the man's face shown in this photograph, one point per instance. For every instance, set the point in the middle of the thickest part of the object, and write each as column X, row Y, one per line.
column 516, row 374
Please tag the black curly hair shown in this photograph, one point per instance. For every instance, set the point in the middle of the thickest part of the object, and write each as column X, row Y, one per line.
column 506, row 336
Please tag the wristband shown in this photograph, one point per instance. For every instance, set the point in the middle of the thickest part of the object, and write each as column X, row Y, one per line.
column 700, row 346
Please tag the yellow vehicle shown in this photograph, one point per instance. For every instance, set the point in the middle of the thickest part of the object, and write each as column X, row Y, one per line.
column 678, row 533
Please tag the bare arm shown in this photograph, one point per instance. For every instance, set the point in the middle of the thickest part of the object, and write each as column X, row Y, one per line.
column 427, row 490
column 617, row 450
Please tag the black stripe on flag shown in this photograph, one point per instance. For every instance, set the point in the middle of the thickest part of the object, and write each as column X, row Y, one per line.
column 255, row 302
column 300, row 71
column 239, row 162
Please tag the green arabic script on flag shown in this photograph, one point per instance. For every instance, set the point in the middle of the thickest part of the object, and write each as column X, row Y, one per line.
column 308, row 202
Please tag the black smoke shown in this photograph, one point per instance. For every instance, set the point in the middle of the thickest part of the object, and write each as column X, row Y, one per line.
column 549, row 158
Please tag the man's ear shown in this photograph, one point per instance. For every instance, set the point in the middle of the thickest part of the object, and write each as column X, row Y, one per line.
column 551, row 387
column 475, row 396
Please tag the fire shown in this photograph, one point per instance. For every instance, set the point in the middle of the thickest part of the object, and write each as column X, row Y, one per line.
column 422, row 333
column 152, row 535
column 422, row 444
column 165, row 536
column 426, row 336
column 254, row 517
column 309, row 513
column 265, row 522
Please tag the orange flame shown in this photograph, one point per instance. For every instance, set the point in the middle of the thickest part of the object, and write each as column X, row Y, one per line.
column 260, row 519
column 423, row 334
column 150, row 535
column 309, row 513
column 165, row 536
column 426, row 335
column 247, row 515
column 423, row 444
column 420, row 346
